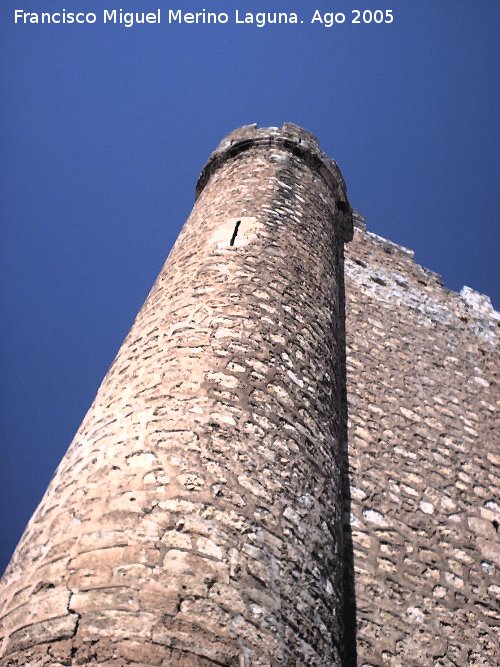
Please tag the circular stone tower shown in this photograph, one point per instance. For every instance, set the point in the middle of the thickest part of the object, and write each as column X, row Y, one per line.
column 196, row 517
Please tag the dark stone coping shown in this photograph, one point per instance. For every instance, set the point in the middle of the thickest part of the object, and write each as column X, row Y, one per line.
column 300, row 143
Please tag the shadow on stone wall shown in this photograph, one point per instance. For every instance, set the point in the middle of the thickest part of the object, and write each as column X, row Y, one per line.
column 349, row 596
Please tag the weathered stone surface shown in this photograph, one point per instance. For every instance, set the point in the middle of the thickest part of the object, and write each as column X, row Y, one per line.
column 196, row 519
column 197, row 513
column 422, row 386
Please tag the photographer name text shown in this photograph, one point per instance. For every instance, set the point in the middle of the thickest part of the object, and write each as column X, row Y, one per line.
column 127, row 19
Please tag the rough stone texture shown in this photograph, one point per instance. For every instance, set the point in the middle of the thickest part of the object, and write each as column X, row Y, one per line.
column 423, row 442
column 196, row 518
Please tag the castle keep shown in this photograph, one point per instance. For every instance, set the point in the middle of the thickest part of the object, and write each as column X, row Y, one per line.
column 278, row 469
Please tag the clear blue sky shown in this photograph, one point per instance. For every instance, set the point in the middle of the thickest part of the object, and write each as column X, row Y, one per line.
column 104, row 130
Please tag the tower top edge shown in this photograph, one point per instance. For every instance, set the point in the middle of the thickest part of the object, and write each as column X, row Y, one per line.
column 293, row 138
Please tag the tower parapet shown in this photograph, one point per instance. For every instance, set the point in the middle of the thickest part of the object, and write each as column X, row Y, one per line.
column 296, row 140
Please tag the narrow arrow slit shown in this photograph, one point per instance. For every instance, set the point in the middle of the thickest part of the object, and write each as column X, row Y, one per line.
column 235, row 233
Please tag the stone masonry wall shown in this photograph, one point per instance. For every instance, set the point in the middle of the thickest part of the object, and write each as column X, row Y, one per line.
column 423, row 443
column 196, row 518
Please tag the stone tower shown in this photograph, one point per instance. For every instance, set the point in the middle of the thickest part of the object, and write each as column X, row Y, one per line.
column 196, row 517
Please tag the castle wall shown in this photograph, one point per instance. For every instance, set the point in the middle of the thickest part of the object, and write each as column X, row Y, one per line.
column 196, row 518
column 423, row 442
